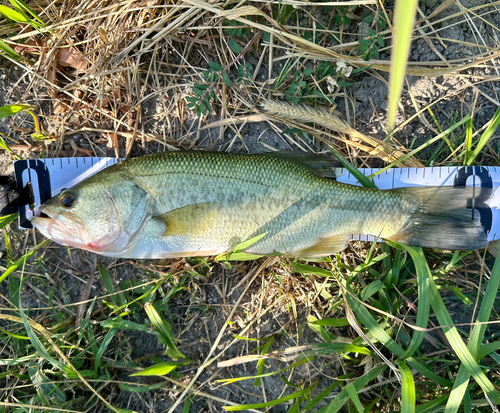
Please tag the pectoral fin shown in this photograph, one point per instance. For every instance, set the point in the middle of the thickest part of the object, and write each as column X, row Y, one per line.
column 324, row 246
column 190, row 220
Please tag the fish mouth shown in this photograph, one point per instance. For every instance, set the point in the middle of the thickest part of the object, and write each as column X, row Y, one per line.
column 61, row 229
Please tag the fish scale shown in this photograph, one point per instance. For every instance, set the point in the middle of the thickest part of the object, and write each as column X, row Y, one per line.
column 204, row 203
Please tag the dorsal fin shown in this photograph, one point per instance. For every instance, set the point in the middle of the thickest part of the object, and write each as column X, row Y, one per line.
column 322, row 165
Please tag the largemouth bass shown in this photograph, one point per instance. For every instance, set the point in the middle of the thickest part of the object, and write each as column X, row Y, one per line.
column 202, row 203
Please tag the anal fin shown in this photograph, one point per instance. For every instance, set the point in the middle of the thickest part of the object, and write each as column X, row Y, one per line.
column 324, row 246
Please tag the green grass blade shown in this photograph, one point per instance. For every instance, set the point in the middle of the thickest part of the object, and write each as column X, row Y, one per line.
column 353, row 395
column 261, row 363
column 371, row 324
column 271, row 403
column 378, row 332
column 322, row 395
column 475, row 340
column 458, row 345
column 331, row 322
column 160, row 369
column 23, row 5
column 238, row 253
column 485, row 137
column 163, row 330
column 362, row 179
column 408, row 397
column 187, row 405
column 117, row 299
column 37, row 344
column 121, row 324
column 424, row 302
column 9, row 51
column 21, row 261
column 103, row 347
column 7, row 219
column 461, row 382
column 432, row 406
column 404, row 19
column 13, row 15
column 140, row 388
column 272, row 373
column 359, row 384
column 468, row 140
column 421, row 147
column 286, row 70
column 487, row 349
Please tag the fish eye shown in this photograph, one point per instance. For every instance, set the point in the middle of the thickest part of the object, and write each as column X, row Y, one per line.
column 67, row 200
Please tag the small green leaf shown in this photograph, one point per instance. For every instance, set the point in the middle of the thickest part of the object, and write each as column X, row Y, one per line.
column 234, row 46
column 159, row 369
column 215, row 66
column 225, row 78
column 10, row 110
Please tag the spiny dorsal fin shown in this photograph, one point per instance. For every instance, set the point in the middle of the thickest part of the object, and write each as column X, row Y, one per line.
column 322, row 165
column 324, row 246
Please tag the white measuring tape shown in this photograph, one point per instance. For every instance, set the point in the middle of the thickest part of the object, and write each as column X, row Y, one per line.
column 50, row 176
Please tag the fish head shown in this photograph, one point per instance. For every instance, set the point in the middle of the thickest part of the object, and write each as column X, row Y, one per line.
column 97, row 215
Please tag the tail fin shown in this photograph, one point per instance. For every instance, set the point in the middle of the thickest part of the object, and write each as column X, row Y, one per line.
column 446, row 217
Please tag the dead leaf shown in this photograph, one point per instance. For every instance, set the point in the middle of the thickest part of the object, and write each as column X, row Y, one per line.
column 69, row 56
column 59, row 107
column 25, row 48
